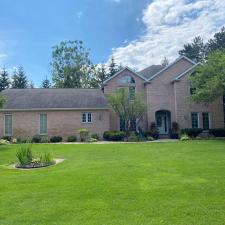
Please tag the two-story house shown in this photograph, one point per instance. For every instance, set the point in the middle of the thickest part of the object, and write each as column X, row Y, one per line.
column 166, row 92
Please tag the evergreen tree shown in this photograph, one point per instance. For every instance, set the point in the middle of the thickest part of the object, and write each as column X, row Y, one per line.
column 4, row 80
column 19, row 79
column 46, row 83
column 195, row 50
column 113, row 68
column 217, row 42
column 165, row 62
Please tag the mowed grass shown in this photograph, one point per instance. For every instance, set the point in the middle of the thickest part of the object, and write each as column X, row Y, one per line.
column 179, row 183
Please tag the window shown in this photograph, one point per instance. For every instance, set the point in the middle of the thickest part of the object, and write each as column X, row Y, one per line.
column 192, row 89
column 8, row 125
column 132, row 93
column 194, row 120
column 126, row 80
column 86, row 118
column 43, row 130
column 205, row 120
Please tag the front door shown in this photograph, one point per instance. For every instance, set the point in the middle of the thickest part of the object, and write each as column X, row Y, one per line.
column 162, row 123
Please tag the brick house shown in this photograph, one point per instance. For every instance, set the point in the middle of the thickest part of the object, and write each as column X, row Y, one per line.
column 51, row 112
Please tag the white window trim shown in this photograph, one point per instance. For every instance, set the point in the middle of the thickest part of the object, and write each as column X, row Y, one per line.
column 86, row 117
column 197, row 117
column 8, row 114
column 40, row 124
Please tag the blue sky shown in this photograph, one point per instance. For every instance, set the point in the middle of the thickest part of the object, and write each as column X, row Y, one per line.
column 137, row 32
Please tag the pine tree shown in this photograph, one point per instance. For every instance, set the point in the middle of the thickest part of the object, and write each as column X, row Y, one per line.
column 4, row 80
column 165, row 62
column 112, row 67
column 46, row 83
column 19, row 79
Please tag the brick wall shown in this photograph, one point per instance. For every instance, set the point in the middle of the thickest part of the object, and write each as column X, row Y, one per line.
column 62, row 123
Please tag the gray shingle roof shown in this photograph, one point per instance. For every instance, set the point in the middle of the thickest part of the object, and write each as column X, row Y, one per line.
column 54, row 98
column 150, row 71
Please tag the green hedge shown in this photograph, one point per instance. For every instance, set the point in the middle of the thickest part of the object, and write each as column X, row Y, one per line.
column 56, row 139
column 219, row 132
column 192, row 132
column 114, row 135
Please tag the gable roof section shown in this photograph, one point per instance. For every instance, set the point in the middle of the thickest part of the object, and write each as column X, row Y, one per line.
column 185, row 72
column 167, row 67
column 54, row 98
column 150, row 71
column 125, row 68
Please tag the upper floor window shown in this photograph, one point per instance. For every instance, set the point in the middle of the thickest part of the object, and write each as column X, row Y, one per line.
column 192, row 89
column 86, row 118
column 195, row 120
column 8, row 125
column 126, row 80
column 43, row 126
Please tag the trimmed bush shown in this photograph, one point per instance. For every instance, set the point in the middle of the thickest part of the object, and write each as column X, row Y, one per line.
column 84, row 135
column 114, row 135
column 72, row 139
column 36, row 139
column 219, row 132
column 192, row 132
column 56, row 139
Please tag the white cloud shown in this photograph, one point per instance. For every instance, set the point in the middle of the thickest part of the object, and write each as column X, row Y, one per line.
column 170, row 24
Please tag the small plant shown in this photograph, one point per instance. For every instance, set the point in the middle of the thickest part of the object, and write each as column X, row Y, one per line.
column 92, row 140
column 72, row 139
column 24, row 155
column 174, row 132
column 4, row 142
column 7, row 138
column 56, row 139
column 84, row 134
column 185, row 137
column 95, row 136
column 36, row 139
column 46, row 158
column 133, row 137
column 150, row 138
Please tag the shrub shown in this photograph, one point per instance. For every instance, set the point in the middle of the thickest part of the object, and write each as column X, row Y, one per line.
column 184, row 137
column 219, row 132
column 21, row 140
column 4, row 142
column 24, row 155
column 174, row 132
column 114, row 135
column 7, row 138
column 133, row 137
column 46, row 158
column 84, row 134
column 150, row 138
column 92, row 140
column 36, row 139
column 95, row 136
column 192, row 132
column 44, row 140
column 56, row 139
column 72, row 139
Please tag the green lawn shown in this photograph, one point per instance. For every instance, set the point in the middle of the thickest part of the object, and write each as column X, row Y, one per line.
column 179, row 183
